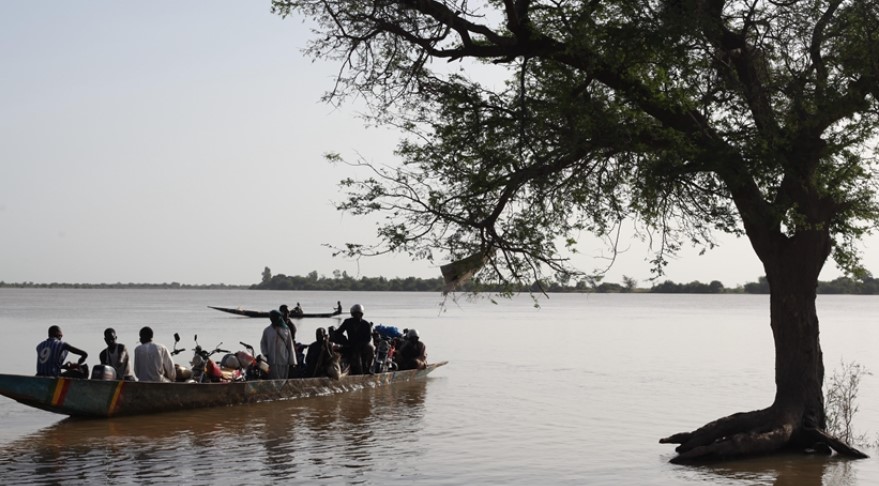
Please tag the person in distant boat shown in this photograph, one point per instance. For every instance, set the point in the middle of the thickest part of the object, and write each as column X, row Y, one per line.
column 297, row 311
column 412, row 354
column 277, row 347
column 339, row 306
column 361, row 351
column 152, row 361
column 51, row 354
column 116, row 356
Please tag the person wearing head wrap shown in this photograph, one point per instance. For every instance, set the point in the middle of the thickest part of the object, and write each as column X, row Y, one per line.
column 276, row 346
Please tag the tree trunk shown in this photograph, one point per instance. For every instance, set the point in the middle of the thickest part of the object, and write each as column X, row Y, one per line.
column 799, row 365
column 796, row 419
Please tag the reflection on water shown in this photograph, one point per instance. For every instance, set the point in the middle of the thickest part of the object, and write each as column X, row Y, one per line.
column 307, row 438
column 779, row 470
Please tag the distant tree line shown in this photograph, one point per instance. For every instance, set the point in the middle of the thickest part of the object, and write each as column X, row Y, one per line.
column 341, row 281
column 119, row 285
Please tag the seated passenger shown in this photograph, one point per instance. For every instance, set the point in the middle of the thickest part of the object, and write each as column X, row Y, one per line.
column 336, row 337
column 412, row 354
column 51, row 354
column 321, row 359
column 116, row 356
column 152, row 361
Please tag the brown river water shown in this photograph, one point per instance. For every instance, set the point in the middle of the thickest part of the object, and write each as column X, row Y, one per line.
column 577, row 391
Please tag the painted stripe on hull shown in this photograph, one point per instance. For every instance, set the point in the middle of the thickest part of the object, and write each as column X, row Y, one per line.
column 114, row 402
column 60, row 392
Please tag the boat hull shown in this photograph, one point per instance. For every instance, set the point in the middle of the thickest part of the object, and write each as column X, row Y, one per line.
column 253, row 313
column 103, row 399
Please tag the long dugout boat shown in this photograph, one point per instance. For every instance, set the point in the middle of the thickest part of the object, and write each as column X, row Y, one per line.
column 253, row 313
column 104, row 399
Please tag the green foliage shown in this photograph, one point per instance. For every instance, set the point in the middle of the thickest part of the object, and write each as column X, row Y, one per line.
column 341, row 281
column 566, row 117
column 669, row 287
column 759, row 287
column 846, row 285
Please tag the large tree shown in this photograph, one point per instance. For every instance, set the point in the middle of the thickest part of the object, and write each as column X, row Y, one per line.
column 690, row 117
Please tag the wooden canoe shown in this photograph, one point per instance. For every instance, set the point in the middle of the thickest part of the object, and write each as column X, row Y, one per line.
column 253, row 313
column 103, row 399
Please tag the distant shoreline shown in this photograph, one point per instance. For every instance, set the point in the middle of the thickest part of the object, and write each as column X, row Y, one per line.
column 343, row 282
column 139, row 286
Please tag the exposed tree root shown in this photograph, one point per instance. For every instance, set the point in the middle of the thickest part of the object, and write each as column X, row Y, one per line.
column 745, row 443
column 818, row 436
column 751, row 433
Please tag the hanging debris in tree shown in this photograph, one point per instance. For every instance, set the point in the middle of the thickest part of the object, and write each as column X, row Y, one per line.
column 459, row 272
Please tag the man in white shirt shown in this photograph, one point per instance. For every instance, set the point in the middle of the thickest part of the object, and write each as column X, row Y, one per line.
column 152, row 361
column 277, row 347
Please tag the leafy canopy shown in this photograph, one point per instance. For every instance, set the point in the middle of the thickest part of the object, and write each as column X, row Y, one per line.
column 559, row 118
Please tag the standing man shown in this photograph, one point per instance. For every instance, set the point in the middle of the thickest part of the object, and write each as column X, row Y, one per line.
column 277, row 347
column 152, row 361
column 52, row 352
column 287, row 321
column 361, row 349
column 116, row 356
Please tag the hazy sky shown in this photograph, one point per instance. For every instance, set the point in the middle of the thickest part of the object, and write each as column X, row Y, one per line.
column 183, row 141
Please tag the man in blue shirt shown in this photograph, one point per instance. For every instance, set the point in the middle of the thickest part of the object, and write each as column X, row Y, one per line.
column 52, row 352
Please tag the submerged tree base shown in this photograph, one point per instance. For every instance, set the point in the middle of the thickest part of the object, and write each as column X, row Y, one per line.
column 754, row 433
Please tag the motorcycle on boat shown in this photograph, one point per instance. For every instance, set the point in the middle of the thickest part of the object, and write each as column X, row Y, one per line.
column 254, row 368
column 238, row 366
column 183, row 374
column 206, row 370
